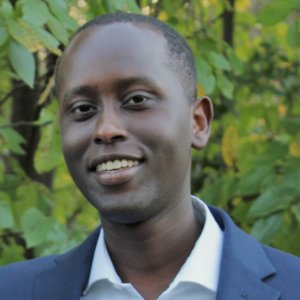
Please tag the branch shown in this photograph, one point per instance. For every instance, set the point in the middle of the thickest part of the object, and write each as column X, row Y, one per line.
column 25, row 123
column 9, row 94
column 228, row 23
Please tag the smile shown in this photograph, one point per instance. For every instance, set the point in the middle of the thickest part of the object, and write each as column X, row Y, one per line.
column 116, row 164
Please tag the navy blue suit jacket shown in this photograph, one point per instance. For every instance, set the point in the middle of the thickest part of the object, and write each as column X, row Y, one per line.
column 249, row 271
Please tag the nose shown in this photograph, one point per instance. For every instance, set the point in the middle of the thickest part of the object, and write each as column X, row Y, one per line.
column 109, row 129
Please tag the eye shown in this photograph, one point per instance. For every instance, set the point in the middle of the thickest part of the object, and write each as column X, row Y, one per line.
column 138, row 101
column 83, row 111
column 83, row 108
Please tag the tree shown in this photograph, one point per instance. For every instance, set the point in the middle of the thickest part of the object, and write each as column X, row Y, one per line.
column 247, row 55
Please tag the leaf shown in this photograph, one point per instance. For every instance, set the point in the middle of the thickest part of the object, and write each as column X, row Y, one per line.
column 6, row 214
column 35, row 12
column 228, row 187
column 132, row 6
column 32, row 36
column 236, row 63
column 295, row 149
column 47, row 39
column 6, row 9
column 125, row 5
column 225, row 85
column 296, row 211
column 274, row 12
column 96, row 8
column 219, row 61
column 240, row 211
column 274, row 151
column 58, row 30
column 60, row 11
column 48, row 155
column 273, row 200
column 291, row 125
column 291, row 176
column 120, row 4
column 170, row 6
column 295, row 4
column 22, row 32
column 26, row 196
column 13, row 140
column 229, row 146
column 205, row 76
column 253, row 180
column 36, row 227
column 264, row 229
column 2, row 171
column 3, row 35
column 11, row 254
column 23, row 62
column 293, row 35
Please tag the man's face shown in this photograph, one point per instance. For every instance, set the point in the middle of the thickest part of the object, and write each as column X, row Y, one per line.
column 126, row 123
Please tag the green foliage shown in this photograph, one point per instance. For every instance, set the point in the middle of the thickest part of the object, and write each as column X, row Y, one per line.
column 250, row 167
column 6, row 214
column 23, row 62
column 293, row 34
column 12, row 140
column 274, row 12
column 35, row 226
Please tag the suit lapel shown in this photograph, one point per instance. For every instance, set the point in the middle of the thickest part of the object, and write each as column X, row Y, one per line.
column 244, row 267
column 69, row 274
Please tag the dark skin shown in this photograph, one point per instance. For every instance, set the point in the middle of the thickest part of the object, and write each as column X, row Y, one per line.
column 121, row 101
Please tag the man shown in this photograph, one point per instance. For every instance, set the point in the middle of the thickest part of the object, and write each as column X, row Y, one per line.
column 129, row 116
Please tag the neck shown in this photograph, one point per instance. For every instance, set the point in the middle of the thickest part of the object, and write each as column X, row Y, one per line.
column 150, row 254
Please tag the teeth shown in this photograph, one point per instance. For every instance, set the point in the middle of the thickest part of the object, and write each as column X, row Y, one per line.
column 116, row 165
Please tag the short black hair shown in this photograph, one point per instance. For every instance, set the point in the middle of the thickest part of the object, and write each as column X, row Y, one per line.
column 181, row 57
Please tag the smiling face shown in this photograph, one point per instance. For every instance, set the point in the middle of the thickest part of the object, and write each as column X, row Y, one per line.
column 126, row 124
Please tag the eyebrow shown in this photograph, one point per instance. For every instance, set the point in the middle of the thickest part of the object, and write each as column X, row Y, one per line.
column 79, row 90
column 120, row 84
column 125, row 82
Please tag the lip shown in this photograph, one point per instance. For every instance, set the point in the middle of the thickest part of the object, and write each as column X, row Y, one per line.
column 117, row 177
column 116, row 156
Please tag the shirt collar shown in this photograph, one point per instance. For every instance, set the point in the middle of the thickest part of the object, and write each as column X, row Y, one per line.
column 102, row 266
column 203, row 264
column 201, row 267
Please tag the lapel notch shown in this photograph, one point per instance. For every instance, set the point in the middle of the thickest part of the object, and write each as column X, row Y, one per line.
column 69, row 274
column 244, row 265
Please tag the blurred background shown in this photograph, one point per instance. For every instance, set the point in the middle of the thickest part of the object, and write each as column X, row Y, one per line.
column 248, row 62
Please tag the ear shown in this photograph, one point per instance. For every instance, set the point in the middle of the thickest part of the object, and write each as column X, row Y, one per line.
column 202, row 118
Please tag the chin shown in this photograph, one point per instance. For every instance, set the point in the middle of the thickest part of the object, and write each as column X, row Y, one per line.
column 125, row 207
column 126, row 211
column 123, row 216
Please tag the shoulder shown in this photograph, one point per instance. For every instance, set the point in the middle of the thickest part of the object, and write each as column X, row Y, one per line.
column 17, row 279
column 47, row 274
column 31, row 266
column 275, row 268
column 286, row 277
column 286, row 265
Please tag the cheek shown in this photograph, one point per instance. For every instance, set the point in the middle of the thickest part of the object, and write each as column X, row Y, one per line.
column 75, row 140
column 166, row 134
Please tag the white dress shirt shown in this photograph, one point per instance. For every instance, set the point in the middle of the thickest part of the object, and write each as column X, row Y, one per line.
column 197, row 278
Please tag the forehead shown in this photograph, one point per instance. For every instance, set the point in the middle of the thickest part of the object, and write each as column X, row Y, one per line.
column 118, row 36
column 119, row 48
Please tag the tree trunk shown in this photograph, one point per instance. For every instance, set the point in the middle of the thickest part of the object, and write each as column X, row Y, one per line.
column 25, row 110
column 228, row 23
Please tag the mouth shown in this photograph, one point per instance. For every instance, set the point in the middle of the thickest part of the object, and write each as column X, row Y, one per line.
column 116, row 170
column 117, row 164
